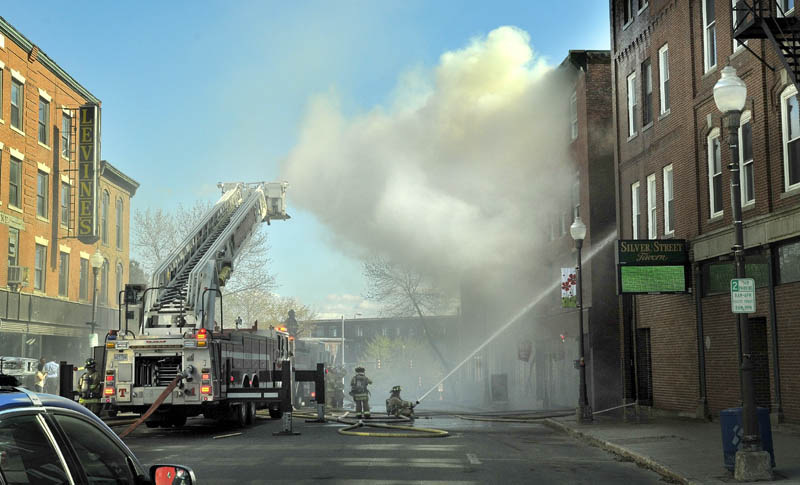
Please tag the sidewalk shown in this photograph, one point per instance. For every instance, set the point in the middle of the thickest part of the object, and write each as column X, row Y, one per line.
column 683, row 450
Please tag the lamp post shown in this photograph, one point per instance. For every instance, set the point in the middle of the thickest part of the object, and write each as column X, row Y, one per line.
column 96, row 260
column 730, row 95
column 578, row 232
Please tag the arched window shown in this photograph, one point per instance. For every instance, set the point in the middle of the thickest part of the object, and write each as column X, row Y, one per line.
column 103, row 296
column 119, row 223
column 104, row 217
column 119, row 282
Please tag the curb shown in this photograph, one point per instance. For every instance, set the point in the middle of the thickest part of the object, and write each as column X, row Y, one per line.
column 642, row 460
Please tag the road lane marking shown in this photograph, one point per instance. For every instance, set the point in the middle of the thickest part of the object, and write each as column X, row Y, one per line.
column 473, row 459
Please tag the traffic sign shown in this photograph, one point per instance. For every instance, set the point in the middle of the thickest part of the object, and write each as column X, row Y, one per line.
column 743, row 295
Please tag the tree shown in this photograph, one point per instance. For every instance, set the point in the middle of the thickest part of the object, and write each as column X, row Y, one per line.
column 404, row 291
column 267, row 308
column 137, row 274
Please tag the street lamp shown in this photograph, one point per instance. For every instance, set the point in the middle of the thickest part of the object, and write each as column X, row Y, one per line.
column 578, row 232
column 730, row 95
column 96, row 260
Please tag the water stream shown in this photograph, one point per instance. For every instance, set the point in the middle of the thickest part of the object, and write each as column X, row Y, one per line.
column 586, row 258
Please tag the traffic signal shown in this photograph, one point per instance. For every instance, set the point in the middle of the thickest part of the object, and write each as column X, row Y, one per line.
column 410, row 363
column 379, row 363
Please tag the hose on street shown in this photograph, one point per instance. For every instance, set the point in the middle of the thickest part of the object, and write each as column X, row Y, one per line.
column 153, row 408
column 403, row 431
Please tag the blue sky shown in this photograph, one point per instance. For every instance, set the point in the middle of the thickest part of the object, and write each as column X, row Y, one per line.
column 196, row 92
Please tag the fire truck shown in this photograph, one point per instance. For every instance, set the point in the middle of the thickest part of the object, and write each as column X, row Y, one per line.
column 170, row 348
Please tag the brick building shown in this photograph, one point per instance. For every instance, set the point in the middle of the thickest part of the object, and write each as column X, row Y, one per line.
column 46, row 280
column 680, row 351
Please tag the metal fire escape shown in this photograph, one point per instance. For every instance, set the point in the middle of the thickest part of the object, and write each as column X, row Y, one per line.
column 766, row 19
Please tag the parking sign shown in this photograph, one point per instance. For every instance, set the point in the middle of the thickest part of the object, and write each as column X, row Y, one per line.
column 743, row 295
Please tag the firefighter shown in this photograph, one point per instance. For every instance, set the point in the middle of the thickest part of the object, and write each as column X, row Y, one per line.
column 90, row 386
column 338, row 388
column 395, row 406
column 360, row 393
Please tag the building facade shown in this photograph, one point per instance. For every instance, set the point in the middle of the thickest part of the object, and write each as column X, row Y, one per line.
column 680, row 352
column 46, row 279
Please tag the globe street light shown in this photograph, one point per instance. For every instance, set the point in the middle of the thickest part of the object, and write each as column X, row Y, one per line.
column 578, row 232
column 96, row 260
column 730, row 95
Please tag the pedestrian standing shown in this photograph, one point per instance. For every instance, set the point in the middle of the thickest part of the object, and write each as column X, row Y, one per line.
column 51, row 385
column 360, row 392
column 41, row 376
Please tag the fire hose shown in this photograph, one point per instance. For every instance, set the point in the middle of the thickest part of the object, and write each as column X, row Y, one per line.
column 412, row 432
column 178, row 378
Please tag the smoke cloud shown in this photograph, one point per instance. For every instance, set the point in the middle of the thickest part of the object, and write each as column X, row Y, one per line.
column 464, row 167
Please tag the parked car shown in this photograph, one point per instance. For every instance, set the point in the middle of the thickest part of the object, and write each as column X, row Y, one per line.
column 48, row 439
column 23, row 368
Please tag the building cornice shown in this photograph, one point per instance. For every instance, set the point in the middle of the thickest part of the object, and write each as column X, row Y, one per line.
column 38, row 55
column 118, row 178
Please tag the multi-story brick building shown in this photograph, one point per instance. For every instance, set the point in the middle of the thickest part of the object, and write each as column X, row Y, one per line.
column 680, row 351
column 46, row 280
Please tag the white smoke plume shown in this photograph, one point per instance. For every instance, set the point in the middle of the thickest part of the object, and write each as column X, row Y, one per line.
column 464, row 168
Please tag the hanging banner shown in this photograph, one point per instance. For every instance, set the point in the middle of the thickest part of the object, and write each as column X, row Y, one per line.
column 88, row 158
column 569, row 294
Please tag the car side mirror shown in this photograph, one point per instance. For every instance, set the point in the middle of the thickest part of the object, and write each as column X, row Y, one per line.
column 172, row 475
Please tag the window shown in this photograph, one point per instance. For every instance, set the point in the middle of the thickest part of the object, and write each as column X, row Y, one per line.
column 17, row 90
column 573, row 115
column 42, row 184
column 398, row 331
column 118, row 222
column 103, row 296
column 66, row 134
column 44, row 121
column 632, row 104
column 747, row 183
column 669, row 211
column 576, row 197
column 736, row 15
column 789, row 262
column 119, row 282
column 13, row 246
column 652, row 228
column 28, row 455
column 359, row 331
column 335, row 331
column 65, row 194
column 663, row 78
column 40, row 274
column 717, row 275
column 104, row 217
column 790, row 111
column 63, row 273
column 785, row 7
column 709, row 35
column 385, row 331
column 635, row 213
column 15, row 183
column 628, row 8
column 647, row 93
column 714, row 173
column 83, row 290
column 100, row 458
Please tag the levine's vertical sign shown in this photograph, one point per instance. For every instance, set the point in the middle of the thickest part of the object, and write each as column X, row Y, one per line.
column 88, row 157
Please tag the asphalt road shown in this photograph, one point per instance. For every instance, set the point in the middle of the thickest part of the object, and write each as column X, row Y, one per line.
column 475, row 452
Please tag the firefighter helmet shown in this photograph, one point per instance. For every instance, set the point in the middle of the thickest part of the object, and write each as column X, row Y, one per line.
column 90, row 363
column 360, row 369
column 396, row 389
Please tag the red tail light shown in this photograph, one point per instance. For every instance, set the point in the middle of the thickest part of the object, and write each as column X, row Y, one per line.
column 313, row 394
column 206, row 377
column 109, row 378
column 205, row 389
column 108, row 391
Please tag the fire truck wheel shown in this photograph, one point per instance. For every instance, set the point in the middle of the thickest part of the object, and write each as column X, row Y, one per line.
column 151, row 423
column 178, row 420
column 275, row 413
column 251, row 413
column 240, row 415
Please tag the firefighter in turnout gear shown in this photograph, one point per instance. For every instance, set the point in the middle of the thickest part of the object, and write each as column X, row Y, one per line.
column 90, row 386
column 395, row 406
column 360, row 393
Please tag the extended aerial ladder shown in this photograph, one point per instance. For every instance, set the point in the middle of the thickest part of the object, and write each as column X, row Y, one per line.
column 185, row 286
